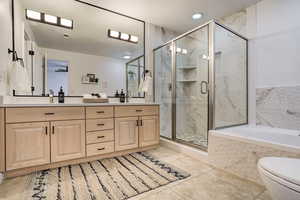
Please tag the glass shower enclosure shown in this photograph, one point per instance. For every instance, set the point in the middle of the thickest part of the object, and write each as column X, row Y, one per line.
column 201, row 83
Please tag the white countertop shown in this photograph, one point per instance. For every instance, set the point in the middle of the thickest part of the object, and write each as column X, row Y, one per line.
column 75, row 104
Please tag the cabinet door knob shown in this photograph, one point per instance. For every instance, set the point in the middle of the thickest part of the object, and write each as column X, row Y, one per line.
column 46, row 130
column 53, row 130
column 141, row 122
column 137, row 122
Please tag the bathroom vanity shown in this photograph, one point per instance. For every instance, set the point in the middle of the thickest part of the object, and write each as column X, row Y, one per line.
column 38, row 137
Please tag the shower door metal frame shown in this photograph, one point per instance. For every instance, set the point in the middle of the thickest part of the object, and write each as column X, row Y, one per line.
column 211, row 79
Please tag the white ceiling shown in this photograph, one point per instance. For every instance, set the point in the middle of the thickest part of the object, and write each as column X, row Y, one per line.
column 175, row 14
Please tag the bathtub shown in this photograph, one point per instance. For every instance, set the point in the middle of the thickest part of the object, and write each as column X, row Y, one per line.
column 238, row 149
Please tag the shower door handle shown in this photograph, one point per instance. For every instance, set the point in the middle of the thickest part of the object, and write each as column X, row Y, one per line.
column 204, row 87
column 170, row 86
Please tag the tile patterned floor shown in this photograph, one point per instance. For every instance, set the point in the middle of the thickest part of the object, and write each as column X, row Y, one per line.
column 205, row 183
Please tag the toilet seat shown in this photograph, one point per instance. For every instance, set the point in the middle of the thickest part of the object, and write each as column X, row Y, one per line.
column 284, row 171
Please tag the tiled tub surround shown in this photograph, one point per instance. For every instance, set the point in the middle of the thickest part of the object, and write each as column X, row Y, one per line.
column 278, row 107
column 237, row 150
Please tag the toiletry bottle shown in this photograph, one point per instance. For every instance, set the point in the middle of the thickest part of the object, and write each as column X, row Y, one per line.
column 117, row 94
column 122, row 97
column 61, row 96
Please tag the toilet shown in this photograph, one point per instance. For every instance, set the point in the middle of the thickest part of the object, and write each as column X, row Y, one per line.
column 281, row 177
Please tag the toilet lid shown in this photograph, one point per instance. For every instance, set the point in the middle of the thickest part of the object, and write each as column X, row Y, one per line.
column 285, row 168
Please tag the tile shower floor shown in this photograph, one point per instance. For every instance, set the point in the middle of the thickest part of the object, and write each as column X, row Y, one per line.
column 205, row 182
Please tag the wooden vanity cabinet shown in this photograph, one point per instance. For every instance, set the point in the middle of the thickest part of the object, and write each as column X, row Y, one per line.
column 140, row 130
column 67, row 140
column 27, row 144
column 149, row 131
column 2, row 141
column 40, row 138
column 126, row 133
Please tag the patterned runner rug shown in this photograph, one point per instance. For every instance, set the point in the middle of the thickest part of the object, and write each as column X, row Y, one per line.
column 112, row 179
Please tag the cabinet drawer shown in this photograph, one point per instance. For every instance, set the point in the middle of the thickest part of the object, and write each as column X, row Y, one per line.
column 99, row 124
column 131, row 111
column 100, row 148
column 100, row 136
column 32, row 114
column 99, row 112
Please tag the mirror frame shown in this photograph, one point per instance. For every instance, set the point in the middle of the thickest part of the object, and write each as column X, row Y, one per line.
column 15, row 57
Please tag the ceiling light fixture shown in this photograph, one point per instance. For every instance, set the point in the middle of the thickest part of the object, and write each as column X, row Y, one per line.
column 48, row 19
column 127, row 57
column 33, row 15
column 123, row 36
column 197, row 16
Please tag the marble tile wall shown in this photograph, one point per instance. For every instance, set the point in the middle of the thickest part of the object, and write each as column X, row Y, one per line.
column 278, row 107
column 239, row 157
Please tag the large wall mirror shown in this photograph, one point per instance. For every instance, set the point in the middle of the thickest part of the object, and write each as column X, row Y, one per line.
column 77, row 46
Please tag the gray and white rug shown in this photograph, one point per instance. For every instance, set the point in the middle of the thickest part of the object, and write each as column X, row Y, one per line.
column 112, row 179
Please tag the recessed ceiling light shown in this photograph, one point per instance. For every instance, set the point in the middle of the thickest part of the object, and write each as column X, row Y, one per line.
column 197, row 16
column 127, row 57
column 124, row 36
column 33, row 15
column 66, row 22
column 50, row 19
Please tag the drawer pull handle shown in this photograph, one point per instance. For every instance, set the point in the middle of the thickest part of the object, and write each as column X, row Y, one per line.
column 53, row 128
column 137, row 122
column 99, row 137
column 100, row 149
column 100, row 124
column 100, row 112
column 139, row 110
column 49, row 113
column 46, row 130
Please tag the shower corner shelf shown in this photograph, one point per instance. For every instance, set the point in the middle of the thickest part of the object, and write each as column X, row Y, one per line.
column 187, row 67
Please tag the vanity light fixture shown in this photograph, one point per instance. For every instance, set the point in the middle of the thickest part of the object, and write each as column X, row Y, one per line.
column 134, row 38
column 113, row 34
column 66, row 22
column 184, row 51
column 33, row 15
column 123, row 36
column 48, row 19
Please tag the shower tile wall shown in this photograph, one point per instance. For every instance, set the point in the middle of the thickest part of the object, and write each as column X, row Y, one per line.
column 278, row 107
column 191, row 105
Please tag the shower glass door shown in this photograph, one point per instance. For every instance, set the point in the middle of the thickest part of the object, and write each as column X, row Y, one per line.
column 163, row 88
column 191, row 93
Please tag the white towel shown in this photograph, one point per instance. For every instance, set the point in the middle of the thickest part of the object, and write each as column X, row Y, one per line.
column 146, row 85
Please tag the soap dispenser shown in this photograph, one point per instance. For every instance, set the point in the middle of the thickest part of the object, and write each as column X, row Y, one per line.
column 122, row 97
column 61, row 96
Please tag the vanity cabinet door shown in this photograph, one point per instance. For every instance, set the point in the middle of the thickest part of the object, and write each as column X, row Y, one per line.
column 126, row 133
column 67, row 140
column 27, row 144
column 149, row 131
